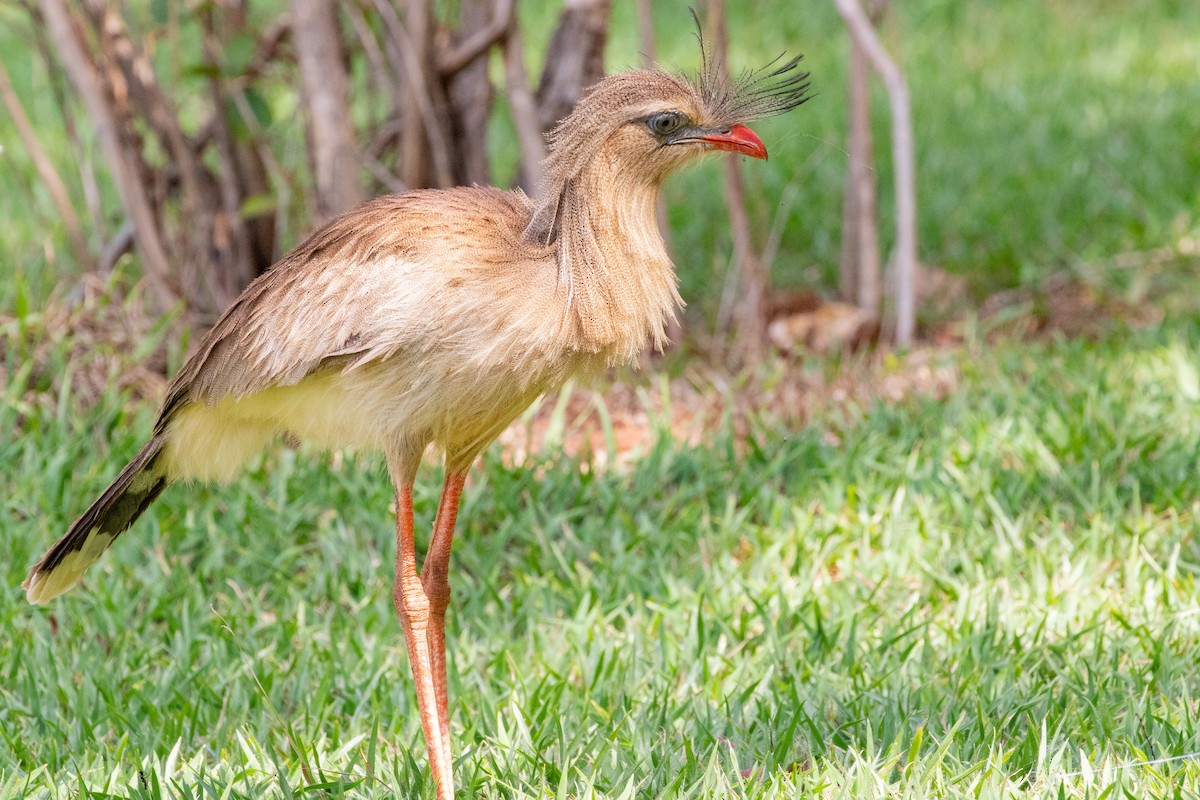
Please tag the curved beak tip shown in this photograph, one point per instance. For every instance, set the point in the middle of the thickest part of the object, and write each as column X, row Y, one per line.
column 738, row 139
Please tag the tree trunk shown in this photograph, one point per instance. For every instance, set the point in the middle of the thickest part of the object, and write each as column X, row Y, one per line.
column 415, row 148
column 470, row 95
column 748, row 315
column 523, row 109
column 905, row 165
column 336, row 157
column 469, row 92
column 574, row 60
column 859, row 266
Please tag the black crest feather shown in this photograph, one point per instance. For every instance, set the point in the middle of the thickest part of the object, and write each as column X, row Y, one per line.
column 774, row 89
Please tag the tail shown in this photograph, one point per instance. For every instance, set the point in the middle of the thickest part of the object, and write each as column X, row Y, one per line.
column 142, row 480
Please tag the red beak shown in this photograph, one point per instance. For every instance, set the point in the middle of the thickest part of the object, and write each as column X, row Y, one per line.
column 738, row 139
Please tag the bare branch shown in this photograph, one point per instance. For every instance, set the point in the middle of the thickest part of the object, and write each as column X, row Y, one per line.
column 749, row 313
column 45, row 169
column 232, row 255
column 120, row 244
column 327, row 89
column 859, row 265
column 524, row 113
column 281, row 188
column 902, row 149
column 133, row 194
column 390, row 20
column 422, row 143
column 267, row 49
column 146, row 94
column 379, row 77
column 385, row 176
column 478, row 42
column 574, row 60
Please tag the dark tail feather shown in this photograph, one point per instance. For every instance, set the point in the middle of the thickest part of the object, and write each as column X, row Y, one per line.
column 142, row 480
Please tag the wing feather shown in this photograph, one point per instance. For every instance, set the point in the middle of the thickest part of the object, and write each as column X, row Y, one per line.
column 361, row 288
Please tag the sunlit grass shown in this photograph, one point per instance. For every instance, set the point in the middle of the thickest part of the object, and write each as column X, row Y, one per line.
column 989, row 595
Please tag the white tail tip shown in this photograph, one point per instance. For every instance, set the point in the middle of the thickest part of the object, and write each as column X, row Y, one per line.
column 42, row 586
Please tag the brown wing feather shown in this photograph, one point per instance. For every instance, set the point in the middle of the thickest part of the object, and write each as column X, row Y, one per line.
column 328, row 299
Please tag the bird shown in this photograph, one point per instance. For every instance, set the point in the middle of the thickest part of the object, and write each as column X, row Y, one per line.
column 435, row 317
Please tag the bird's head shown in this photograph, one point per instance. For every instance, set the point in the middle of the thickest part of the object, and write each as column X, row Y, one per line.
column 646, row 124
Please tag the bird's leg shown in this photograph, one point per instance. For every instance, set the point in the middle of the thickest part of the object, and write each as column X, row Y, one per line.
column 413, row 606
column 435, row 578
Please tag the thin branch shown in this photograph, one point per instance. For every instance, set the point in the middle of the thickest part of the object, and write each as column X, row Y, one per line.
column 266, row 52
column 267, row 49
column 45, row 168
column 379, row 77
column 282, row 188
column 133, row 193
column 145, row 92
column 120, row 244
column 235, row 273
column 83, row 155
column 524, row 112
column 385, row 176
column 426, row 116
column 409, row 56
column 749, row 312
column 770, row 250
column 902, row 150
column 391, row 50
column 479, row 42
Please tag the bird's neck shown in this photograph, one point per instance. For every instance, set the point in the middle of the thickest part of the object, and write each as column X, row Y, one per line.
column 615, row 277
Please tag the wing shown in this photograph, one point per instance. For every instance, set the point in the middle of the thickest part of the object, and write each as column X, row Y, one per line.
column 365, row 286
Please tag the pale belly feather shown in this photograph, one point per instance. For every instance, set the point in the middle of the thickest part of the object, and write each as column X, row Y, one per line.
column 367, row 408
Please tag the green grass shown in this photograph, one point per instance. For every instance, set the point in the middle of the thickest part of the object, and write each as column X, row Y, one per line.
column 988, row 595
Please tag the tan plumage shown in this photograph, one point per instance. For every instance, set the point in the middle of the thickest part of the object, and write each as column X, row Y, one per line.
column 436, row 317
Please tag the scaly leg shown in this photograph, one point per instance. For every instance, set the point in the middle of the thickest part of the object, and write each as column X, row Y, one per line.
column 435, row 578
column 414, row 608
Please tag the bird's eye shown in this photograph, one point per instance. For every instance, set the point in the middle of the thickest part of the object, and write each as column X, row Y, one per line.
column 665, row 123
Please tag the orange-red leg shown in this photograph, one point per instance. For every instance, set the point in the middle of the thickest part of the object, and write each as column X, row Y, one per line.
column 414, row 608
column 435, row 578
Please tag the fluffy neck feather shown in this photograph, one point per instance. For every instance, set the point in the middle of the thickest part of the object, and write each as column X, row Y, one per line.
column 614, row 275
